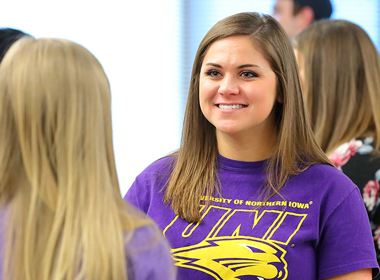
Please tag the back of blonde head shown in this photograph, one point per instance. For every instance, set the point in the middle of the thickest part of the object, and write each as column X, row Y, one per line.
column 66, row 217
column 342, row 82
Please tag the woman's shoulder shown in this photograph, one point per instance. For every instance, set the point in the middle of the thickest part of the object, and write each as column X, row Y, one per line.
column 156, row 174
column 150, row 181
column 148, row 254
column 144, row 237
column 326, row 172
column 325, row 179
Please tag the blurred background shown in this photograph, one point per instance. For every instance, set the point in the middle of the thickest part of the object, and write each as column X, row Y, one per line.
column 147, row 50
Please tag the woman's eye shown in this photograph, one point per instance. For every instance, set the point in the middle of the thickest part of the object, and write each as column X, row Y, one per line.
column 212, row 73
column 249, row 74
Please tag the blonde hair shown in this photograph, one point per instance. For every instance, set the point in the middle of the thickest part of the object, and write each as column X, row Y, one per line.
column 66, row 217
column 195, row 164
column 342, row 82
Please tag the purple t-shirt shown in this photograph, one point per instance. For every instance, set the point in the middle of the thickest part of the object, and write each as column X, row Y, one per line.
column 148, row 253
column 149, row 256
column 320, row 230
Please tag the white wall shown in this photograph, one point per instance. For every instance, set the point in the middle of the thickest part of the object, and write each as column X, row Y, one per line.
column 364, row 13
column 137, row 44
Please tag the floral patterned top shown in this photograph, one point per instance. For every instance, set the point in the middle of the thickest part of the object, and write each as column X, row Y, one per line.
column 357, row 161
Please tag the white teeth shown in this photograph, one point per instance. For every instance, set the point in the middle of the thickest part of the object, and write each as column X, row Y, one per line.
column 221, row 106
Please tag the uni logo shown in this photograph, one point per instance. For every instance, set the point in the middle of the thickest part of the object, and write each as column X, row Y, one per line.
column 234, row 258
column 229, row 249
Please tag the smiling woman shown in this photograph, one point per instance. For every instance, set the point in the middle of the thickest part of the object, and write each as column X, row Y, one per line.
column 250, row 193
column 237, row 94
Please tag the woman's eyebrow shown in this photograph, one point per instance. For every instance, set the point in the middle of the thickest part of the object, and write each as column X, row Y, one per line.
column 240, row 66
column 214, row 64
column 248, row 65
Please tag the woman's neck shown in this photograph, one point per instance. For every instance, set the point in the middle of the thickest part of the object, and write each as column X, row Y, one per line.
column 246, row 147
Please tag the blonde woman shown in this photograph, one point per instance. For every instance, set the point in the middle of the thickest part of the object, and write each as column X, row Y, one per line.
column 61, row 212
column 250, row 194
column 340, row 67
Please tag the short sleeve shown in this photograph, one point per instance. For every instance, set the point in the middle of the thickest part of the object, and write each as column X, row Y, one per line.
column 346, row 242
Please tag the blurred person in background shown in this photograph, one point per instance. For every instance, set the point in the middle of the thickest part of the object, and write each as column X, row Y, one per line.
column 296, row 15
column 340, row 72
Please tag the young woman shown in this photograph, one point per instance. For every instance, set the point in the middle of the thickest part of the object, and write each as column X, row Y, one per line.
column 61, row 212
column 250, row 194
column 340, row 69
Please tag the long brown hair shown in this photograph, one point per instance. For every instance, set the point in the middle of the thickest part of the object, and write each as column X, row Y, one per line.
column 342, row 82
column 195, row 166
column 66, row 218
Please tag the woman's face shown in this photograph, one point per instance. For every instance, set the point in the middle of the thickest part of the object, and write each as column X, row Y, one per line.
column 237, row 89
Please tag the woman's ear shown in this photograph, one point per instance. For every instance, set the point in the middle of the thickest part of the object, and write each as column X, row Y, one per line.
column 280, row 99
column 304, row 18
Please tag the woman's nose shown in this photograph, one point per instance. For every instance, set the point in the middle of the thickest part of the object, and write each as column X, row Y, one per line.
column 228, row 85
